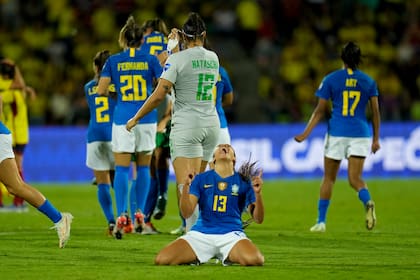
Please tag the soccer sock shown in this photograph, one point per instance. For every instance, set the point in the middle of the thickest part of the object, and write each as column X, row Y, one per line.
column 105, row 200
column 142, row 186
column 163, row 175
column 132, row 198
column 364, row 195
column 322, row 209
column 121, row 188
column 50, row 211
column 151, row 200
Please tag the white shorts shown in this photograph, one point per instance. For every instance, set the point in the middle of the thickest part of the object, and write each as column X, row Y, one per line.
column 207, row 246
column 99, row 156
column 224, row 136
column 193, row 142
column 6, row 150
column 142, row 138
column 339, row 148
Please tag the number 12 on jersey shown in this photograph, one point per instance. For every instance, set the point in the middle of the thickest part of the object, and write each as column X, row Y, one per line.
column 205, row 85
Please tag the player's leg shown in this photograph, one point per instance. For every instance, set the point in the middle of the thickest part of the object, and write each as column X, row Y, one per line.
column 162, row 172
column 244, row 252
column 331, row 167
column 10, row 177
column 182, row 167
column 151, row 200
column 104, row 197
column 177, row 252
column 355, row 169
column 18, row 202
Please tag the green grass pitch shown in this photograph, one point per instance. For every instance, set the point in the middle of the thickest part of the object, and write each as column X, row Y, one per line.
column 29, row 249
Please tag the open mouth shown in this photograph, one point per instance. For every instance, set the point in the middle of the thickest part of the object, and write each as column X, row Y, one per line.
column 224, row 150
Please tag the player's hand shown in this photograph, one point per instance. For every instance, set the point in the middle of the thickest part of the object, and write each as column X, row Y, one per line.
column 257, row 182
column 375, row 146
column 130, row 124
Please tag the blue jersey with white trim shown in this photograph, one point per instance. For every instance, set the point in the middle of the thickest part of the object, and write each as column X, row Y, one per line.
column 350, row 92
column 223, row 86
column 133, row 73
column 221, row 202
column 101, row 110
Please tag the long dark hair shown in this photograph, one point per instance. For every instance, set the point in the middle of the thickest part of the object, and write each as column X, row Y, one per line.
column 248, row 169
column 351, row 55
column 99, row 60
column 194, row 27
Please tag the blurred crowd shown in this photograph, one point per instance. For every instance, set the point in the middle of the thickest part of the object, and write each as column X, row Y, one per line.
column 276, row 51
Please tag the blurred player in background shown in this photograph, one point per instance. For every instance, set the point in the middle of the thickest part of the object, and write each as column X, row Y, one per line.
column 133, row 73
column 221, row 194
column 195, row 127
column 9, row 176
column 99, row 156
column 348, row 137
column 15, row 117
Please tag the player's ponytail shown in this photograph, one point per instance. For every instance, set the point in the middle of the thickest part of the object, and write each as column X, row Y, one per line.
column 248, row 169
column 131, row 34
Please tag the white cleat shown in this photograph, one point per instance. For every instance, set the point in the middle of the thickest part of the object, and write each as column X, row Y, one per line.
column 63, row 229
column 318, row 227
column 370, row 215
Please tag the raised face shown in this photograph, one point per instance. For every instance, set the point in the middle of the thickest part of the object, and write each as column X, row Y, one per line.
column 224, row 152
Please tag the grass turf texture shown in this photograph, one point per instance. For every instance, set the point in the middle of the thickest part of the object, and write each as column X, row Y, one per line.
column 28, row 250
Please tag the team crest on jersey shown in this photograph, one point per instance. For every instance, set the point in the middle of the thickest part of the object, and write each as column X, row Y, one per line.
column 222, row 186
column 235, row 189
column 166, row 67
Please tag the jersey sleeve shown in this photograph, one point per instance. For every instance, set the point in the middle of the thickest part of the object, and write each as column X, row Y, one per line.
column 169, row 70
column 227, row 85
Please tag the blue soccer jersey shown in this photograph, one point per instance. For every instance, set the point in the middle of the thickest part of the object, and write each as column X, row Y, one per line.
column 133, row 73
column 221, row 202
column 350, row 91
column 223, row 86
column 101, row 110
column 154, row 43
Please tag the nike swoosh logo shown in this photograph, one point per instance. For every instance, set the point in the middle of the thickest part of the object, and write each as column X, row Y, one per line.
column 207, row 186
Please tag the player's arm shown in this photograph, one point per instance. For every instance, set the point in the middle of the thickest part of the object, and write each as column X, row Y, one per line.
column 376, row 122
column 257, row 208
column 317, row 115
column 187, row 201
column 227, row 99
column 158, row 95
column 103, row 85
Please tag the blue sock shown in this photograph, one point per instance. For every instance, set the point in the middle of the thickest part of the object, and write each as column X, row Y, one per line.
column 322, row 209
column 121, row 188
column 142, row 186
column 105, row 200
column 151, row 200
column 163, row 176
column 132, row 198
column 50, row 211
column 364, row 195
